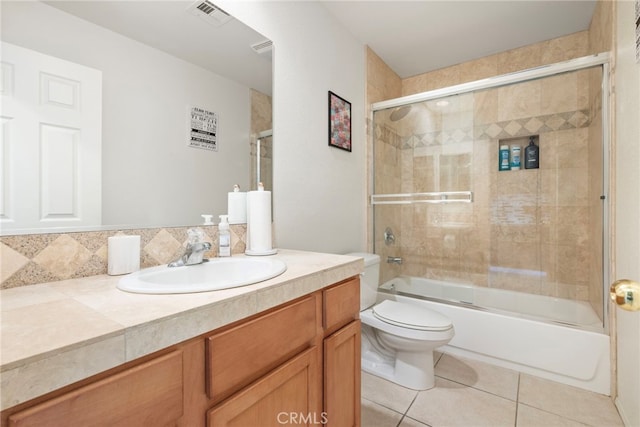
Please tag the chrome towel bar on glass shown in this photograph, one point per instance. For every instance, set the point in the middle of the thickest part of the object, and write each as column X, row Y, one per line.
column 433, row 197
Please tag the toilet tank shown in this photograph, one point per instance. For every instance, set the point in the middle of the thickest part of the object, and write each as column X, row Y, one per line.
column 369, row 280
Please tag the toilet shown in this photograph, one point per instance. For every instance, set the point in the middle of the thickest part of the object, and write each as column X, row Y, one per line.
column 398, row 338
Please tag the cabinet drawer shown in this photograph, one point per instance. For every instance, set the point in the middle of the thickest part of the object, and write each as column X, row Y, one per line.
column 147, row 394
column 240, row 355
column 292, row 390
column 341, row 304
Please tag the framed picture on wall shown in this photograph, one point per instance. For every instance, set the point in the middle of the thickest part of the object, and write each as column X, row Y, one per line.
column 339, row 122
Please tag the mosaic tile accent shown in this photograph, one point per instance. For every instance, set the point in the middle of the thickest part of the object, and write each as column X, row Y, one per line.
column 534, row 125
column 389, row 135
column 38, row 258
column 498, row 130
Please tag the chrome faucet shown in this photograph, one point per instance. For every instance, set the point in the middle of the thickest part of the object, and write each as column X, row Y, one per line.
column 194, row 251
column 394, row 260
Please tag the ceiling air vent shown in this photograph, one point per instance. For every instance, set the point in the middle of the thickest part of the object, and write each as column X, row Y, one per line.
column 209, row 12
column 263, row 48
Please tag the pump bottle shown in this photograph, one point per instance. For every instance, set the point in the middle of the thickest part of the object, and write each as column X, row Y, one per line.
column 532, row 155
column 224, row 237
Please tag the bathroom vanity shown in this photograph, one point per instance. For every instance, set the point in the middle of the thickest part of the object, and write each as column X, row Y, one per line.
column 283, row 351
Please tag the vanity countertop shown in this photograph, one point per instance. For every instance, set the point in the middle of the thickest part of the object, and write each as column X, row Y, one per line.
column 54, row 334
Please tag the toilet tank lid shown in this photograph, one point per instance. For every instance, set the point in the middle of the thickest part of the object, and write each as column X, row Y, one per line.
column 369, row 259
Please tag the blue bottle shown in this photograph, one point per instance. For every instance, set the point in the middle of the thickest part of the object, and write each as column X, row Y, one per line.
column 504, row 162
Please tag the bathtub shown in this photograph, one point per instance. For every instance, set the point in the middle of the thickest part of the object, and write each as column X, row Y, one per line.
column 552, row 338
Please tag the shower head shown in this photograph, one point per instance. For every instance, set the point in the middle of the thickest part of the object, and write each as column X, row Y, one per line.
column 399, row 113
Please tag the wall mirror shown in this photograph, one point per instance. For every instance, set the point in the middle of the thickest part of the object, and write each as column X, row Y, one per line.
column 166, row 70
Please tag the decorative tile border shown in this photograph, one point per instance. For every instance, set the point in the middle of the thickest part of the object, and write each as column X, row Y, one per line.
column 499, row 130
column 534, row 125
column 37, row 258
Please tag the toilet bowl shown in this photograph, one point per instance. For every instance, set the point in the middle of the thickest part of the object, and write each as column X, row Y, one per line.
column 398, row 338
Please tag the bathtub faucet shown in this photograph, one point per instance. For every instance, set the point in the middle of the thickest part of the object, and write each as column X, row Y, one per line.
column 394, row 260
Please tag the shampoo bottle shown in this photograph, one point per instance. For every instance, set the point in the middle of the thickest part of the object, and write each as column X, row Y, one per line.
column 515, row 157
column 224, row 247
column 504, row 159
column 532, row 155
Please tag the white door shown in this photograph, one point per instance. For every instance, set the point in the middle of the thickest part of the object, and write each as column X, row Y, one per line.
column 50, row 158
column 627, row 209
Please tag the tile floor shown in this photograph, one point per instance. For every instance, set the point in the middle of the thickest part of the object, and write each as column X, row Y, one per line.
column 469, row 393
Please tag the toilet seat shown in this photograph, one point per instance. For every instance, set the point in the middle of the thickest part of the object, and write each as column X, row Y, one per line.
column 410, row 316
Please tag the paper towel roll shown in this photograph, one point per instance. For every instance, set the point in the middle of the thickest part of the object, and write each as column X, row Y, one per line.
column 259, row 223
column 123, row 254
column 237, row 207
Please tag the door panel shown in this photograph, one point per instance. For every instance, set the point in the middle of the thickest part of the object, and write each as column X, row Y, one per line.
column 51, row 141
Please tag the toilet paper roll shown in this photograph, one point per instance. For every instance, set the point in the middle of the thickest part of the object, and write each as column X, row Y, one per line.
column 237, row 207
column 259, row 223
column 123, row 254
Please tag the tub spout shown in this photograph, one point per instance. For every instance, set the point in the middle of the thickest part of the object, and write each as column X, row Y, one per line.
column 394, row 260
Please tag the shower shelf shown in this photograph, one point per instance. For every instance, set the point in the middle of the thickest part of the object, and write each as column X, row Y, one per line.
column 411, row 198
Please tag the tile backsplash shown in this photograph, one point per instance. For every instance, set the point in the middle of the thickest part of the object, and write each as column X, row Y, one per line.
column 38, row 258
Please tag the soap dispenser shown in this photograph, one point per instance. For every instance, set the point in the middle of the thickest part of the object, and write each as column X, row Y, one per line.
column 224, row 247
column 532, row 155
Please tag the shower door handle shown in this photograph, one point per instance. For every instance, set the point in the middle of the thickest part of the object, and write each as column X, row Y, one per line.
column 626, row 293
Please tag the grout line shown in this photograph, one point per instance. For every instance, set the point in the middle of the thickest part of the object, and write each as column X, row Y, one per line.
column 479, row 389
column 390, row 409
column 517, row 400
column 407, row 410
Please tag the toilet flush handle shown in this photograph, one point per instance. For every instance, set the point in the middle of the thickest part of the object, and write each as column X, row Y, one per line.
column 626, row 293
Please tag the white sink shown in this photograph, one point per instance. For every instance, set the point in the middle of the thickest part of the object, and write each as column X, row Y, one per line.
column 218, row 273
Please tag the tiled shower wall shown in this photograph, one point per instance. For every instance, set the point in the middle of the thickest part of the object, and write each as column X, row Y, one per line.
column 38, row 258
column 526, row 230
column 261, row 120
column 380, row 82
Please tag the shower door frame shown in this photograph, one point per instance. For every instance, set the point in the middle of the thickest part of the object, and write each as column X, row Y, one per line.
column 600, row 59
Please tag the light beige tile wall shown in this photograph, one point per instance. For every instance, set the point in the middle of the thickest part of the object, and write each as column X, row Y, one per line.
column 261, row 120
column 601, row 30
column 601, row 39
column 468, row 253
column 595, row 190
column 382, row 83
column 547, row 52
column 38, row 258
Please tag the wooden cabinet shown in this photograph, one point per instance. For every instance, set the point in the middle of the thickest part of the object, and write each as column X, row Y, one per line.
column 342, row 354
column 291, row 394
column 149, row 394
column 342, row 376
column 240, row 355
column 296, row 364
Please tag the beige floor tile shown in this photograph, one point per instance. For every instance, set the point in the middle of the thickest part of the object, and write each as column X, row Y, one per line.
column 453, row 404
column 532, row 417
column 483, row 376
column 409, row 422
column 569, row 402
column 386, row 393
column 374, row 415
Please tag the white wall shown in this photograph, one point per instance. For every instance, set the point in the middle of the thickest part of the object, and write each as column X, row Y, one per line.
column 319, row 191
column 150, row 176
column 627, row 209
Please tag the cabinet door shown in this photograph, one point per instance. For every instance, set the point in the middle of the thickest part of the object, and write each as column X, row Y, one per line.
column 289, row 395
column 341, row 304
column 239, row 356
column 342, row 376
column 149, row 394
